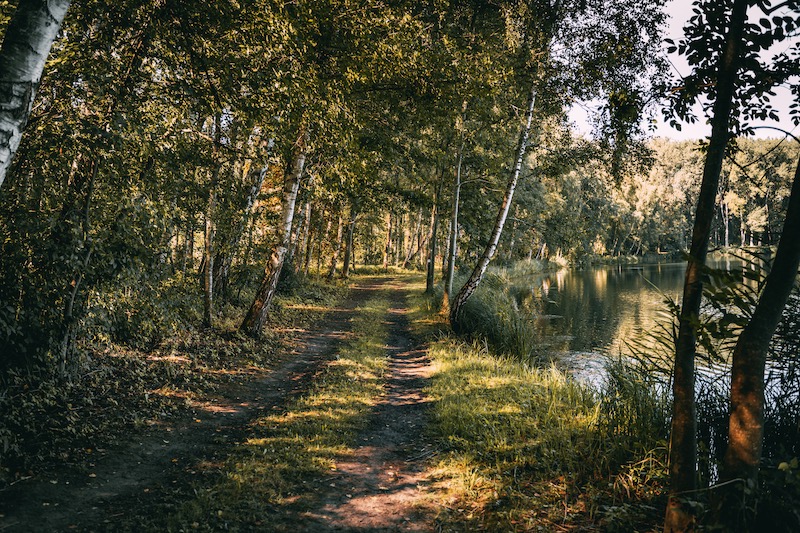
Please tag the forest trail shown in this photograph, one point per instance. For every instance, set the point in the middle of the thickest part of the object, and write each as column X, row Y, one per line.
column 378, row 487
column 381, row 486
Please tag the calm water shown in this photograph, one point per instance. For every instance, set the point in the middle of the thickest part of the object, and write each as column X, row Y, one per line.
column 589, row 313
column 597, row 309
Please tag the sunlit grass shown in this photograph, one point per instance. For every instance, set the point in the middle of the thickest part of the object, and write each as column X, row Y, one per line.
column 525, row 447
column 507, row 428
column 289, row 453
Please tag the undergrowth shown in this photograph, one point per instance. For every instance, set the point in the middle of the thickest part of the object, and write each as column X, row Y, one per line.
column 46, row 418
column 494, row 314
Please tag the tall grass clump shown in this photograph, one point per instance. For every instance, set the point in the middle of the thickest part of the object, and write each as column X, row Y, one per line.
column 493, row 314
column 634, row 410
column 631, row 438
column 529, row 267
column 517, row 439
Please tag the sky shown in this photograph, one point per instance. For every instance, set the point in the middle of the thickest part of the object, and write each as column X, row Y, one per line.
column 679, row 12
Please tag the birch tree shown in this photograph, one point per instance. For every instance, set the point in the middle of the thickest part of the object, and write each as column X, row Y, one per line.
column 256, row 316
column 478, row 272
column 26, row 45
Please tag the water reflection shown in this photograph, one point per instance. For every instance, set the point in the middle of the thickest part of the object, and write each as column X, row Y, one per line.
column 582, row 314
column 598, row 309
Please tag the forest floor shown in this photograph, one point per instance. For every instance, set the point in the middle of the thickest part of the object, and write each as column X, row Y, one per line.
column 185, row 472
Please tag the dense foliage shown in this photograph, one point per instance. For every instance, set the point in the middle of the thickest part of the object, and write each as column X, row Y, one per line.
column 159, row 140
column 148, row 192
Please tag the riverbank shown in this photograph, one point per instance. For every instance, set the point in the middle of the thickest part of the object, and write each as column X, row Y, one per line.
column 585, row 316
column 526, row 447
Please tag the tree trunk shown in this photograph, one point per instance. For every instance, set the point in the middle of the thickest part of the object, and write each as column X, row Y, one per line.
column 387, row 250
column 513, row 240
column 415, row 242
column 305, row 241
column 208, row 234
column 294, row 238
column 336, row 247
column 256, row 317
column 430, row 278
column 28, row 39
column 309, row 247
column 208, row 261
column 746, row 423
column 348, row 250
column 683, row 443
column 452, row 248
column 726, row 215
column 69, row 319
column 323, row 235
column 399, row 233
column 225, row 260
column 457, row 305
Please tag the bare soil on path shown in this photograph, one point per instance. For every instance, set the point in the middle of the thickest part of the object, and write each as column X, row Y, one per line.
column 380, row 487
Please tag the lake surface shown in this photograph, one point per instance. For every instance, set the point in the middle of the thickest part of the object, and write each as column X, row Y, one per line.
column 597, row 309
column 589, row 313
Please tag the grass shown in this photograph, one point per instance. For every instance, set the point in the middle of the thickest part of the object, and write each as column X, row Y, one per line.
column 502, row 311
column 525, row 447
column 503, row 425
column 288, row 454
column 520, row 447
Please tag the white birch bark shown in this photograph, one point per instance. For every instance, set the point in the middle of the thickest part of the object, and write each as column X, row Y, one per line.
column 483, row 263
column 26, row 45
column 256, row 316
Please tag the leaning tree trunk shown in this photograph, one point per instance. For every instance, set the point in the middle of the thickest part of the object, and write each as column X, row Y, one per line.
column 256, row 317
column 28, row 39
column 457, row 305
column 746, row 423
column 683, row 443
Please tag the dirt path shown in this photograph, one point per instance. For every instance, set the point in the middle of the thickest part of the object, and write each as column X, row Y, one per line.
column 375, row 490
column 381, row 487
